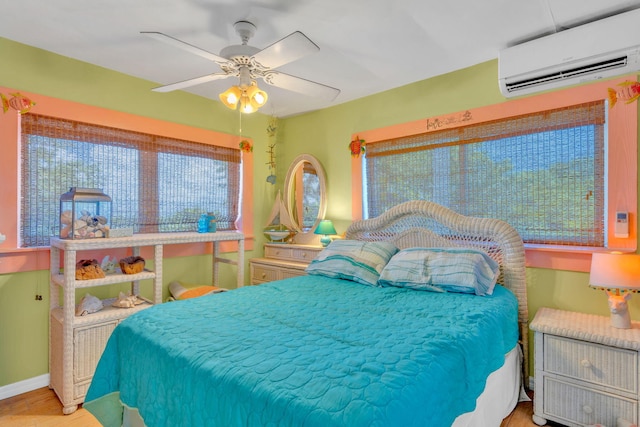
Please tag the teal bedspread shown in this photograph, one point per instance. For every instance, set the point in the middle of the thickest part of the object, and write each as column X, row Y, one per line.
column 308, row 351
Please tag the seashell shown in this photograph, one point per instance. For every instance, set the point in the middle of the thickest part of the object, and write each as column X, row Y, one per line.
column 90, row 220
column 64, row 233
column 101, row 219
column 65, row 217
column 109, row 265
column 78, row 224
column 89, row 304
column 98, row 233
column 85, row 212
column 125, row 301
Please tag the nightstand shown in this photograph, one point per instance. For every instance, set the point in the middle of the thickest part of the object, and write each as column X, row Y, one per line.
column 281, row 261
column 586, row 371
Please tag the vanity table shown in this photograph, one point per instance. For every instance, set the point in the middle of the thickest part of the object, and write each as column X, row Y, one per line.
column 281, row 261
column 305, row 202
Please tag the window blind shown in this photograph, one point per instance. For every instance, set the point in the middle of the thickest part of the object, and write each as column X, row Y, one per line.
column 157, row 184
column 544, row 173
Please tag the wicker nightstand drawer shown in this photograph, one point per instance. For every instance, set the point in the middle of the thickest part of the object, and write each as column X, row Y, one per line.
column 575, row 404
column 599, row 364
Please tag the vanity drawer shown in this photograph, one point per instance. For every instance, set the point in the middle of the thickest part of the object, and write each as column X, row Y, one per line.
column 292, row 253
column 262, row 273
column 278, row 251
column 576, row 404
column 286, row 274
column 305, row 254
column 607, row 366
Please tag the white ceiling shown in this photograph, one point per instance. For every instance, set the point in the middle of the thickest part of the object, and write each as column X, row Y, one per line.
column 366, row 46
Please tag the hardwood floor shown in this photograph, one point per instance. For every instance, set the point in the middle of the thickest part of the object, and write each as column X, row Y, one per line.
column 41, row 408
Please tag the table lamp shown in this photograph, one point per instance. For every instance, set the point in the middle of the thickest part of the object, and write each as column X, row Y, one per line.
column 619, row 275
column 325, row 228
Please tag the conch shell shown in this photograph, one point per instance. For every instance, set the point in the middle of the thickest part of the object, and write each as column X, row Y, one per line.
column 89, row 304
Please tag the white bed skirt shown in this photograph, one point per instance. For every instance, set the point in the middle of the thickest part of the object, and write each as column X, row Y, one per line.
column 499, row 398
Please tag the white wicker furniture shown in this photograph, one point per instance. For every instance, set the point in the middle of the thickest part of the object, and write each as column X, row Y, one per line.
column 586, row 371
column 281, row 261
column 76, row 342
column 426, row 224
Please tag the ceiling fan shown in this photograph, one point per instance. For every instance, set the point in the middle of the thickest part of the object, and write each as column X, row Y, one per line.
column 249, row 63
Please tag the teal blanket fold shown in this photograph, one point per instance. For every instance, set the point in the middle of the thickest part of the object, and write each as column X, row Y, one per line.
column 307, row 351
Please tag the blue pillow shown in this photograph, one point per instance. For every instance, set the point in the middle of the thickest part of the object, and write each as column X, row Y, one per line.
column 442, row 269
column 354, row 260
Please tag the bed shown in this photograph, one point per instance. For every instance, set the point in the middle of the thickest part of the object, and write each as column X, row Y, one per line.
column 357, row 342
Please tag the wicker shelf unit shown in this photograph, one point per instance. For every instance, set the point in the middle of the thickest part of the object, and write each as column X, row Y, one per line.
column 77, row 342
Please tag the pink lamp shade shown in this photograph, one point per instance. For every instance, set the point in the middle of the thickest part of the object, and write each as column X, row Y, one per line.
column 615, row 271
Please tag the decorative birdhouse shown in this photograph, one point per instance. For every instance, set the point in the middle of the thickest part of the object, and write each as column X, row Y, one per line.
column 85, row 213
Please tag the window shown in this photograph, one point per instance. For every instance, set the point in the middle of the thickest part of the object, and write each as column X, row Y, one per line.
column 542, row 172
column 157, row 183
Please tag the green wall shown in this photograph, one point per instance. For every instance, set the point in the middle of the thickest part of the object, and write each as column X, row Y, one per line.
column 325, row 134
column 23, row 320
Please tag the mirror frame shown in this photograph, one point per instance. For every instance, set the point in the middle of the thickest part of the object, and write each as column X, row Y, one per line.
column 288, row 187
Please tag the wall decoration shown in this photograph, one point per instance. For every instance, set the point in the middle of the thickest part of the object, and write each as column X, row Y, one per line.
column 357, row 147
column 437, row 123
column 271, row 179
column 17, row 101
column 245, row 146
column 628, row 92
column 272, row 128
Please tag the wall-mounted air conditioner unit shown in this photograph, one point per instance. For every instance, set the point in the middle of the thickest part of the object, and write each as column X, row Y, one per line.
column 599, row 49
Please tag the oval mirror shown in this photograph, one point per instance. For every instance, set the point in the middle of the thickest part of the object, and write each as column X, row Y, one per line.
column 305, row 193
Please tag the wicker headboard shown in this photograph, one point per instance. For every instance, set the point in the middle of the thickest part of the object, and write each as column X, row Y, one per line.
column 427, row 224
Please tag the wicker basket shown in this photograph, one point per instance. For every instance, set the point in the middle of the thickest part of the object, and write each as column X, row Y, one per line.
column 132, row 265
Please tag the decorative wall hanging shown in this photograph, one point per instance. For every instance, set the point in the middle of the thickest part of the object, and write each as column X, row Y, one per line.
column 245, row 146
column 17, row 101
column 271, row 179
column 627, row 92
column 272, row 128
column 439, row 122
column 357, row 147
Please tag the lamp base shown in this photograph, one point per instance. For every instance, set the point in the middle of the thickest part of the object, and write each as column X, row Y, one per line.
column 619, row 309
column 325, row 240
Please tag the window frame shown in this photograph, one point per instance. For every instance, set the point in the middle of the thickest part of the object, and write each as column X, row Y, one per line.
column 621, row 163
column 16, row 259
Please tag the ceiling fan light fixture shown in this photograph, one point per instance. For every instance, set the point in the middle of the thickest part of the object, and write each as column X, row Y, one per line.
column 256, row 96
column 231, row 97
column 250, row 97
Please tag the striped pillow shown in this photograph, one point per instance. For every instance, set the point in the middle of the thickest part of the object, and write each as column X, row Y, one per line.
column 354, row 260
column 442, row 269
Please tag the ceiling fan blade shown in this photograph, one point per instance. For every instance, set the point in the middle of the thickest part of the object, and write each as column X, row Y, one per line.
column 294, row 46
column 299, row 85
column 184, row 46
column 191, row 82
